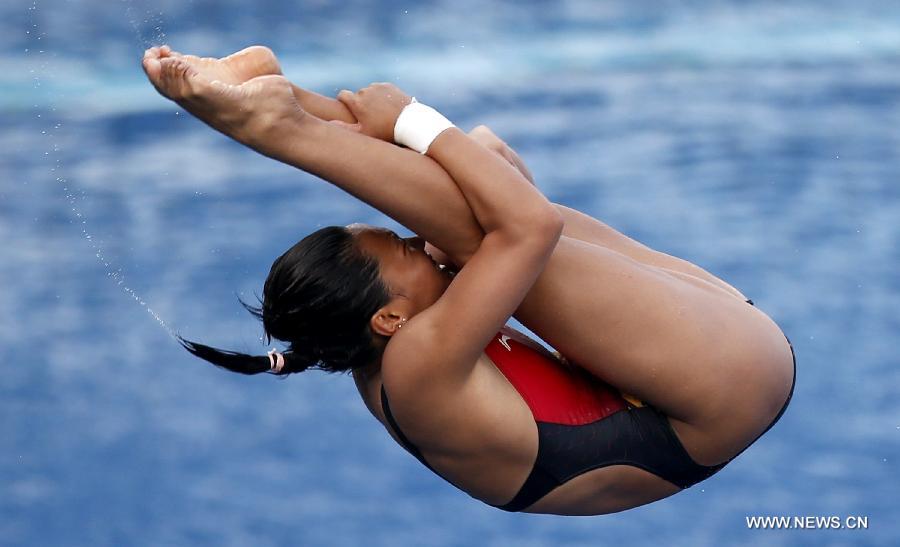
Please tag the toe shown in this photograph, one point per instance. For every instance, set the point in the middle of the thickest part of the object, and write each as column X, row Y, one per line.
column 151, row 68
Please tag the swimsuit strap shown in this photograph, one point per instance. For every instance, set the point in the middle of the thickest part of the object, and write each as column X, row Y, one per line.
column 536, row 485
column 404, row 441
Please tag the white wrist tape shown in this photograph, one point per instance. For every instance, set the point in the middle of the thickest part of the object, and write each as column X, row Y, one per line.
column 418, row 125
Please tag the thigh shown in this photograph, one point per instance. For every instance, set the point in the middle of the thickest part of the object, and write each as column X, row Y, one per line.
column 587, row 228
column 688, row 350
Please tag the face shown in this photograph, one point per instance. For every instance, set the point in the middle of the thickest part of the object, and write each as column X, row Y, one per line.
column 413, row 278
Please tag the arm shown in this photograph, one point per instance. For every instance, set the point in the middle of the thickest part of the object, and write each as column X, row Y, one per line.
column 521, row 230
column 263, row 113
column 485, row 137
column 329, row 109
column 410, row 188
column 578, row 225
column 520, row 235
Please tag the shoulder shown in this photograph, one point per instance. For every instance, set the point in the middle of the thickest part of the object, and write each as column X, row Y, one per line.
column 425, row 390
column 420, row 358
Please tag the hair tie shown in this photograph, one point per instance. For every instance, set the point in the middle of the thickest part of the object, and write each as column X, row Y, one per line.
column 276, row 361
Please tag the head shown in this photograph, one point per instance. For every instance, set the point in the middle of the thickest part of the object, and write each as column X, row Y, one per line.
column 336, row 298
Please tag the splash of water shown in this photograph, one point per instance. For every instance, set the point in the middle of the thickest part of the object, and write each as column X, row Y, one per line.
column 52, row 153
column 148, row 27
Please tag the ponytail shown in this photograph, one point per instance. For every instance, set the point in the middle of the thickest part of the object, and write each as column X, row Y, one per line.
column 318, row 298
column 241, row 362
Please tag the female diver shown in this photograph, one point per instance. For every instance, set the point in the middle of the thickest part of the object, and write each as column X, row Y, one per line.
column 668, row 372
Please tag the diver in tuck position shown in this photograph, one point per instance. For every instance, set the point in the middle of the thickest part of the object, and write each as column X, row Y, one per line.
column 664, row 372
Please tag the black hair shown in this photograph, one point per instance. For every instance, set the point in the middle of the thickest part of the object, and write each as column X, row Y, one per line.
column 318, row 297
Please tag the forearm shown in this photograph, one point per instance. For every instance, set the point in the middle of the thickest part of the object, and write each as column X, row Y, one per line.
column 501, row 198
column 326, row 108
column 440, row 213
column 408, row 187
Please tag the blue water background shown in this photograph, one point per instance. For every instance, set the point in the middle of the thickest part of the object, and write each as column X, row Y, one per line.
column 758, row 139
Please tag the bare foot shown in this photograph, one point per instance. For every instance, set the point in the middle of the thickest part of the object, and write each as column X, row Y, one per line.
column 244, row 110
column 235, row 69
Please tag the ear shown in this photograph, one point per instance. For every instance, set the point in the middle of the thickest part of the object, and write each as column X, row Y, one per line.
column 388, row 319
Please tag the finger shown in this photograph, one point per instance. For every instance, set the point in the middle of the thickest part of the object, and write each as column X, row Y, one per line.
column 349, row 99
column 482, row 130
column 479, row 134
column 348, row 126
column 484, row 136
column 165, row 51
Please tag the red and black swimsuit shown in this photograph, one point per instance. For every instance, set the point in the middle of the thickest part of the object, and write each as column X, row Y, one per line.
column 583, row 424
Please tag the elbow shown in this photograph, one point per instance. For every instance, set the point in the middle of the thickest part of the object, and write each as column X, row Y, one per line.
column 536, row 235
column 550, row 224
column 541, row 227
